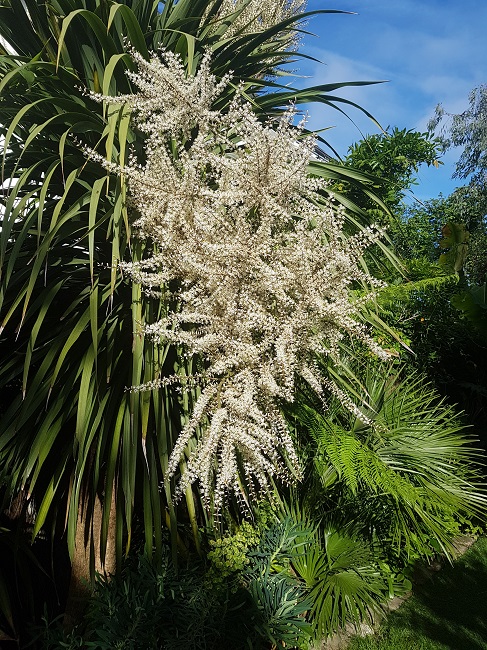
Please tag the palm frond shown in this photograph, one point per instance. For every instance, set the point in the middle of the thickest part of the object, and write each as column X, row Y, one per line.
column 405, row 469
column 344, row 582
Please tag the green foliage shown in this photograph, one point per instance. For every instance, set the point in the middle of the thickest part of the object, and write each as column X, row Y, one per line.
column 342, row 578
column 145, row 609
column 475, row 266
column 447, row 347
column 421, row 277
column 433, row 307
column 467, row 130
column 294, row 587
column 344, row 581
column 454, row 244
column 417, row 232
column 229, row 553
column 280, row 599
column 468, row 205
column 393, row 158
column 403, row 473
column 281, row 605
column 71, row 341
column 472, row 303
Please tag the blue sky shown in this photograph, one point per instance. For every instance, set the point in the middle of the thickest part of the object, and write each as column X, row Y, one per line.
column 430, row 51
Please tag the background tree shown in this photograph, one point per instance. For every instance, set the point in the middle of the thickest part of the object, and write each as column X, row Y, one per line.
column 440, row 309
column 442, row 320
column 394, row 158
column 467, row 130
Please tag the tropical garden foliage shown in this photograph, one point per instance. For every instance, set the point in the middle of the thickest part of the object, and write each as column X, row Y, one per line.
column 191, row 335
column 438, row 301
column 394, row 157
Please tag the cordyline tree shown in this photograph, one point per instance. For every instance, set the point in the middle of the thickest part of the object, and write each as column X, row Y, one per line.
column 95, row 251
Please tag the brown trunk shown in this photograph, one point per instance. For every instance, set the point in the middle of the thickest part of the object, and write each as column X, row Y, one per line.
column 81, row 582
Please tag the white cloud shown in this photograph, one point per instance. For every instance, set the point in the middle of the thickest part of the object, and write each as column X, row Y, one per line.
column 381, row 100
column 432, row 51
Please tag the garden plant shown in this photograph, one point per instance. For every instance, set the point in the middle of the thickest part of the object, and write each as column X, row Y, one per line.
column 204, row 423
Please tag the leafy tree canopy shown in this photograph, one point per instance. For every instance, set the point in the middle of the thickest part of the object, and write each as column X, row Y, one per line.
column 467, row 130
column 418, row 233
column 394, row 158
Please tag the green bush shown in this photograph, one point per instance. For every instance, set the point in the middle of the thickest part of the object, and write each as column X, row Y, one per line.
column 147, row 609
column 284, row 587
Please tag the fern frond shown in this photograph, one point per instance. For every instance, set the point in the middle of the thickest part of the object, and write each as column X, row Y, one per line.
column 394, row 293
column 408, row 474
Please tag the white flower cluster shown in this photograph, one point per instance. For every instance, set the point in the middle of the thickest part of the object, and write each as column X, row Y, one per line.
column 251, row 16
column 260, row 261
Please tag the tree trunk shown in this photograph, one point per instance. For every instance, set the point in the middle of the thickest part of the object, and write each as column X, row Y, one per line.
column 88, row 538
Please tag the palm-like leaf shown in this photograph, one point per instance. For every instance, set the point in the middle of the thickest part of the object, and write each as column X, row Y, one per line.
column 402, row 472
column 345, row 584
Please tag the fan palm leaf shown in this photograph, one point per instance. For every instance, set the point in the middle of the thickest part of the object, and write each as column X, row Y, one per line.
column 344, row 583
column 339, row 576
column 405, row 470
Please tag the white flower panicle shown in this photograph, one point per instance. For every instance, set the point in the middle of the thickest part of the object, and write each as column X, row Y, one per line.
column 254, row 16
column 262, row 266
